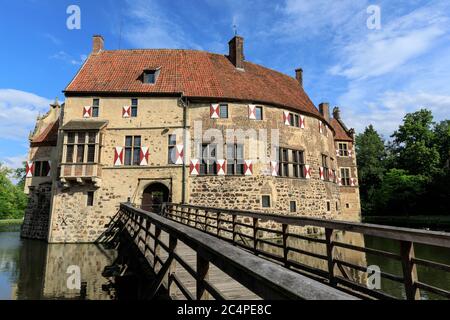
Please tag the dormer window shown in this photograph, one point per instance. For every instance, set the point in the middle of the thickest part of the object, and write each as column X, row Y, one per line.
column 150, row 76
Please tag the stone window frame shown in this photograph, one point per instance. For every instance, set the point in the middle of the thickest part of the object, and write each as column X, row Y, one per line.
column 135, row 158
column 295, row 206
column 258, row 107
column 345, row 180
column 95, row 107
column 134, row 107
column 325, row 167
column 294, row 119
column 343, row 152
column 235, row 165
column 41, row 168
column 227, row 110
column 208, row 167
column 75, row 144
column 328, row 206
column 171, row 148
column 90, row 198
column 297, row 165
column 262, row 201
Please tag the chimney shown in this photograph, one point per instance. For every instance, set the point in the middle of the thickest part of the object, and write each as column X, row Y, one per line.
column 98, row 44
column 324, row 109
column 299, row 76
column 236, row 52
column 336, row 113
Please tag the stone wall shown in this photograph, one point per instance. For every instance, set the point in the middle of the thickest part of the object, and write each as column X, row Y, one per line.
column 36, row 221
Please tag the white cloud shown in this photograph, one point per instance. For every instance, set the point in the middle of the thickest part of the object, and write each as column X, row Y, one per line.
column 149, row 27
column 64, row 56
column 18, row 112
column 15, row 161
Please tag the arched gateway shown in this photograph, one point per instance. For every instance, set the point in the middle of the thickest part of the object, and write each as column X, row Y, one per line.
column 154, row 195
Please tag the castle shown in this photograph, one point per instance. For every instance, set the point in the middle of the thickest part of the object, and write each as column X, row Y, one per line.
column 186, row 126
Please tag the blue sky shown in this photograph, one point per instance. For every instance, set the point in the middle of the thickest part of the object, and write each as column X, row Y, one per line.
column 374, row 75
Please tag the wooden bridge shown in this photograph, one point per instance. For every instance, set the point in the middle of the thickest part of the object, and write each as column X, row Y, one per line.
column 194, row 252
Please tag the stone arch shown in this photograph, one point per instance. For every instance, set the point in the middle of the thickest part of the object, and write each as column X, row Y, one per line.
column 154, row 194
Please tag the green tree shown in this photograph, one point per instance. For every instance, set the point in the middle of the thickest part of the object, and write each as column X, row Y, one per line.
column 413, row 147
column 442, row 142
column 13, row 201
column 401, row 193
column 371, row 155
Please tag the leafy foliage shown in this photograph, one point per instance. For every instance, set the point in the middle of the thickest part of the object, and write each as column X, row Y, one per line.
column 410, row 175
column 13, row 200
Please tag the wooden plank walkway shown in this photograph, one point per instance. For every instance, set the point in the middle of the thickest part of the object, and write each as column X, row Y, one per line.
column 229, row 287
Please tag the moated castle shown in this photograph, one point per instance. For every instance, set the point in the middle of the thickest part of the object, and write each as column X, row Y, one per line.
column 129, row 131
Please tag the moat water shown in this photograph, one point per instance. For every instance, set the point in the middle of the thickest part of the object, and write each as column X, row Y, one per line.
column 32, row 269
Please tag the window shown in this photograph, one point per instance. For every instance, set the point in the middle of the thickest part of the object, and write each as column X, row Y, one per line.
column 293, row 206
column 337, row 206
column 132, row 150
column 328, row 206
column 81, row 147
column 347, row 205
column 41, row 168
column 291, row 163
column 265, row 201
column 134, row 107
column 90, row 198
column 235, row 159
column 95, row 107
column 258, row 113
column 325, row 167
column 149, row 76
column 223, row 111
column 343, row 149
column 172, row 148
column 292, row 120
column 345, row 176
column 209, row 161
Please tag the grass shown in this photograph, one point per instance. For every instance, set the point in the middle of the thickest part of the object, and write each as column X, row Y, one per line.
column 8, row 222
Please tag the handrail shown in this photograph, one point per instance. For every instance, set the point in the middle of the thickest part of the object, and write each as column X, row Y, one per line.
column 265, row 278
column 246, row 229
column 436, row 238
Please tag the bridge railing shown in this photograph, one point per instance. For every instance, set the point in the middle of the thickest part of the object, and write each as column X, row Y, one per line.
column 266, row 279
column 284, row 239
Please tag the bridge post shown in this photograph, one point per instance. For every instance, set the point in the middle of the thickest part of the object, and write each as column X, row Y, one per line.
column 202, row 274
column 156, row 248
column 173, row 265
column 409, row 270
column 329, row 244
column 285, row 244
column 255, row 236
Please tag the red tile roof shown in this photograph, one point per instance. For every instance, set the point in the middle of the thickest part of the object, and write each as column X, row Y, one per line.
column 48, row 137
column 196, row 74
column 340, row 133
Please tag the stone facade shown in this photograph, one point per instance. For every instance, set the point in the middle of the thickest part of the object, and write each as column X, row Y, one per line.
column 85, row 194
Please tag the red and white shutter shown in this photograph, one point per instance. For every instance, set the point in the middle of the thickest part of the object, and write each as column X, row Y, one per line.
column 301, row 120
column 29, row 168
column 214, row 111
column 126, row 111
column 252, row 112
column 340, row 181
column 320, row 126
column 330, row 175
column 307, row 172
column 87, row 112
column 144, row 156
column 118, row 156
column 194, row 167
column 274, row 168
column 350, row 153
column 338, row 154
column 322, row 177
column 221, row 167
column 179, row 156
column 248, row 167
column 353, row 182
column 286, row 118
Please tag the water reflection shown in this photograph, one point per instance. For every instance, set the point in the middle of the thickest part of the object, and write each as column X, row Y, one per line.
column 34, row 270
